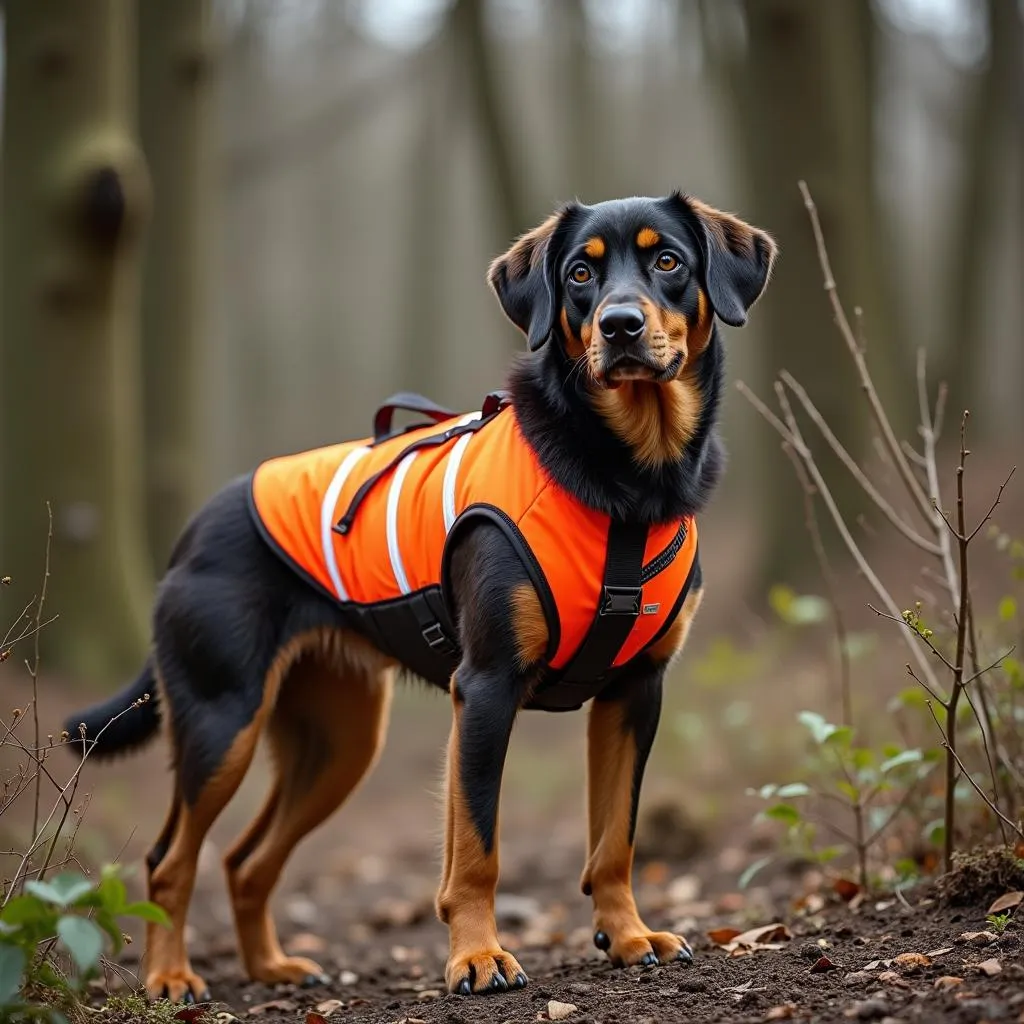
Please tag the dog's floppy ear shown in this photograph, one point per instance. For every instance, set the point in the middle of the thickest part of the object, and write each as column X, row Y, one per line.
column 738, row 258
column 525, row 278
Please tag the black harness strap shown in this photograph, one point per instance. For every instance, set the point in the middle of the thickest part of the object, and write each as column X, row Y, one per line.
column 618, row 605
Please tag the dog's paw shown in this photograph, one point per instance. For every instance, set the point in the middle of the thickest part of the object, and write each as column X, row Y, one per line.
column 490, row 970
column 179, row 986
column 627, row 949
column 295, row 970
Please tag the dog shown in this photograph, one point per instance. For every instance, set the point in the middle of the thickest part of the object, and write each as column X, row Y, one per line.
column 540, row 553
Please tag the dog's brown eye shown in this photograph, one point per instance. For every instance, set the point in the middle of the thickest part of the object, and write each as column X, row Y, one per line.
column 667, row 261
column 580, row 273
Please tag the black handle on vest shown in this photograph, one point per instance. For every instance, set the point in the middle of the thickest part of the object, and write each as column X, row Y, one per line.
column 407, row 401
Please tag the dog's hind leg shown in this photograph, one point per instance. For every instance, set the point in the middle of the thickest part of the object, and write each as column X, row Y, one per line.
column 172, row 868
column 325, row 734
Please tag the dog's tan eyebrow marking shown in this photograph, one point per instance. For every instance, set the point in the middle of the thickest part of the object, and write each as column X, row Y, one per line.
column 595, row 247
column 647, row 237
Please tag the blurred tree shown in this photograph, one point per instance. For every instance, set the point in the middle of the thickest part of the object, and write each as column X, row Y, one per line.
column 75, row 199
column 174, row 62
column 483, row 88
column 992, row 119
column 420, row 345
column 577, row 85
column 802, row 98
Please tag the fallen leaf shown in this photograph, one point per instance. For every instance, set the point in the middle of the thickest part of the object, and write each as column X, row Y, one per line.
column 329, row 1006
column 768, row 936
column 911, row 962
column 559, row 1011
column 191, row 1014
column 845, row 889
column 976, row 938
column 284, row 1005
column 893, row 978
column 823, row 964
column 1007, row 901
column 947, row 982
column 939, row 952
column 990, row 968
column 312, row 1017
column 1018, row 849
column 787, row 1011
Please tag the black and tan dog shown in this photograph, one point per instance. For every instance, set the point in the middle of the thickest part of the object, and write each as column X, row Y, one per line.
column 616, row 406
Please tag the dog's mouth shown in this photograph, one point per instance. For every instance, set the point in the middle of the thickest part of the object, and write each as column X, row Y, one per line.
column 640, row 368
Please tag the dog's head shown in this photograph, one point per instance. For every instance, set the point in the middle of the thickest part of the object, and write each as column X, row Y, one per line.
column 630, row 287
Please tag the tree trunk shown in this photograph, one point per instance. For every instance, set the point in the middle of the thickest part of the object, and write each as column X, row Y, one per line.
column 992, row 116
column 468, row 22
column 75, row 197
column 174, row 61
column 802, row 100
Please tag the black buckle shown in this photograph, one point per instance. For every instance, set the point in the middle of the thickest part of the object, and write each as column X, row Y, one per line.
column 437, row 639
column 620, row 601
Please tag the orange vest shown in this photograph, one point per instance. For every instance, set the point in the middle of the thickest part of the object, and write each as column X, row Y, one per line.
column 370, row 522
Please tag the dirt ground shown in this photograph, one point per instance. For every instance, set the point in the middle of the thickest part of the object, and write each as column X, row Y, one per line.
column 358, row 899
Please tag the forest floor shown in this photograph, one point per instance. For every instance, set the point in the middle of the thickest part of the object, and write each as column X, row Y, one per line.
column 359, row 899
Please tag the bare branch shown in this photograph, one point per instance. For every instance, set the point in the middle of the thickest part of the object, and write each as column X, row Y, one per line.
column 924, row 639
column 930, row 435
column 867, row 385
column 858, row 474
column 992, row 507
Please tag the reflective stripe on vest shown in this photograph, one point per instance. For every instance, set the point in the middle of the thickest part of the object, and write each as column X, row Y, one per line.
column 415, row 487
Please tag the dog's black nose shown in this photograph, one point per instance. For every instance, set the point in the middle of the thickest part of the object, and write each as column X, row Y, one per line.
column 621, row 325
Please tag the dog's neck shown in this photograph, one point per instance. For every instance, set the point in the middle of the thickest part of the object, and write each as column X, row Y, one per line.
column 572, row 431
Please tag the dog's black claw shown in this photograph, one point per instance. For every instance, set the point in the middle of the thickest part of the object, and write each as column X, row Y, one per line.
column 685, row 956
column 498, row 983
column 521, row 980
column 188, row 999
column 205, row 997
column 602, row 941
column 313, row 980
column 464, row 987
column 649, row 960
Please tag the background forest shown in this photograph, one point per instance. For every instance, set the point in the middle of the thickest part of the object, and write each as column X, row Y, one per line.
column 229, row 228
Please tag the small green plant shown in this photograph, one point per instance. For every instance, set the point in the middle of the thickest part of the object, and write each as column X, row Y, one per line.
column 998, row 922
column 69, row 914
column 867, row 790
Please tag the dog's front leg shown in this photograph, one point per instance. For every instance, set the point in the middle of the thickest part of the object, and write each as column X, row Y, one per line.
column 484, row 706
column 620, row 731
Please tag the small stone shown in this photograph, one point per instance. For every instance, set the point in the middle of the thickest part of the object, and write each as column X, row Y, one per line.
column 947, row 982
column 868, row 1009
column 893, row 978
column 809, row 951
column 559, row 1011
column 976, row 938
column 855, row 978
column 514, row 910
column 348, row 978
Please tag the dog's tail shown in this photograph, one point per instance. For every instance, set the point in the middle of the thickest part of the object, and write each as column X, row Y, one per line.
column 115, row 726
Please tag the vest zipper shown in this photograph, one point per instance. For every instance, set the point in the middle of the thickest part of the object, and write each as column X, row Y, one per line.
column 664, row 559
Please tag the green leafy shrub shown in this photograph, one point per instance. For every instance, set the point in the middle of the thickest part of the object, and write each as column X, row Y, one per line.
column 68, row 914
